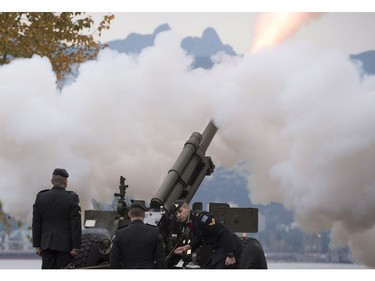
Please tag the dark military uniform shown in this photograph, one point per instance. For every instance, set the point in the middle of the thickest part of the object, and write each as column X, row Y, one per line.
column 56, row 226
column 137, row 246
column 223, row 242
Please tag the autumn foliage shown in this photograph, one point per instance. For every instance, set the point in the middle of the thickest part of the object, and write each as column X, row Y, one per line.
column 65, row 38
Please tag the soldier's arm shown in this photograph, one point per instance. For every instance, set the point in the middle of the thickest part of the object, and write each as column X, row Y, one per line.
column 75, row 222
column 195, row 242
column 36, row 226
column 115, row 254
column 224, row 235
column 159, row 252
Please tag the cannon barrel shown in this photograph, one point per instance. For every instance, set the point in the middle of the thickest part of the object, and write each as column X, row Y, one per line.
column 189, row 170
column 207, row 136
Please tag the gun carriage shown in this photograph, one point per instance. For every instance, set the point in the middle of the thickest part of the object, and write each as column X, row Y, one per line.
column 181, row 182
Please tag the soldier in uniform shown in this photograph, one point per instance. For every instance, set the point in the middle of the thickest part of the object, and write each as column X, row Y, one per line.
column 137, row 245
column 56, row 223
column 226, row 246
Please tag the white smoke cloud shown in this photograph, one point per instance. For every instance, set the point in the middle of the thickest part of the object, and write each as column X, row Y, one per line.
column 301, row 123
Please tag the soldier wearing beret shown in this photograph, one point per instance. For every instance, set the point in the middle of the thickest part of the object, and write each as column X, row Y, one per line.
column 137, row 245
column 56, row 223
column 226, row 245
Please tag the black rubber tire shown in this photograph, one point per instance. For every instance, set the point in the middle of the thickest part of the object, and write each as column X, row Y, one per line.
column 253, row 255
column 90, row 253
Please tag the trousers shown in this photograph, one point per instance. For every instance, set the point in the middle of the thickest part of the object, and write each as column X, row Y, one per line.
column 52, row 259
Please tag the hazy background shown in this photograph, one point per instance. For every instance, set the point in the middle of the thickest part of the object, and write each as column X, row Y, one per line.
column 296, row 118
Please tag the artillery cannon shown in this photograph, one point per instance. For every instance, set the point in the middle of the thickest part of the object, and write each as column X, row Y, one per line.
column 181, row 182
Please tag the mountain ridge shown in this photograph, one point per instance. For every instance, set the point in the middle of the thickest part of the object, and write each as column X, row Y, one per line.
column 202, row 48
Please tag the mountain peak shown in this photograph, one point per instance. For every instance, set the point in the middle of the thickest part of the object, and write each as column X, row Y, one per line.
column 367, row 59
column 210, row 34
column 207, row 45
column 162, row 28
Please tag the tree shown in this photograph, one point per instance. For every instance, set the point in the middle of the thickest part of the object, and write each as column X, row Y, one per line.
column 65, row 38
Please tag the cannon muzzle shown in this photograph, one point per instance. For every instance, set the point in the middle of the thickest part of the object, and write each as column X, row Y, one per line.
column 189, row 170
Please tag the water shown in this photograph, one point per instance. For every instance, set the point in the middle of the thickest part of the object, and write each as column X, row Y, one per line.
column 29, row 269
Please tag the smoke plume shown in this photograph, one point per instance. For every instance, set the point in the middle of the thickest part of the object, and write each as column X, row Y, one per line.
column 301, row 123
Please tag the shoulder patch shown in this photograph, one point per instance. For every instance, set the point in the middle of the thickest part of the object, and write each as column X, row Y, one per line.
column 204, row 218
column 44, row 190
column 70, row 191
column 207, row 218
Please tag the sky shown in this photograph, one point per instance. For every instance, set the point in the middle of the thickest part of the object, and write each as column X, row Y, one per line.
column 347, row 31
column 345, row 26
column 233, row 20
column 296, row 117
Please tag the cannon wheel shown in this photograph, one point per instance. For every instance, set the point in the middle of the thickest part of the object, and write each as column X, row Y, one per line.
column 94, row 250
column 253, row 255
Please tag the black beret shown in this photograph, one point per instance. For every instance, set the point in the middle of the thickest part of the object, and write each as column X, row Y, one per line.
column 177, row 205
column 60, row 172
column 137, row 205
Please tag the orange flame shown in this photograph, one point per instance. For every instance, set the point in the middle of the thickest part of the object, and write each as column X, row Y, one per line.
column 273, row 28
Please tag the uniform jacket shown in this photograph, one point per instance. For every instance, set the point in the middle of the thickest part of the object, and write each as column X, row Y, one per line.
column 137, row 245
column 56, row 221
column 206, row 230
